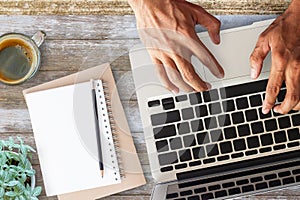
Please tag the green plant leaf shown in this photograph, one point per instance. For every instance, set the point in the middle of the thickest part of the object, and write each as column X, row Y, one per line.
column 1, row 191
column 37, row 191
column 22, row 197
column 12, row 183
column 10, row 194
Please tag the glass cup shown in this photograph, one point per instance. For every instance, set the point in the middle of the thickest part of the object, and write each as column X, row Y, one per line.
column 20, row 57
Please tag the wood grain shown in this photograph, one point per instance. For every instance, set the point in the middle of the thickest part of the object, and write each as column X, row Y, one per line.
column 121, row 7
column 75, row 43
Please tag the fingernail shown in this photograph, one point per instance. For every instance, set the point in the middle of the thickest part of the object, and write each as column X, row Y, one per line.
column 217, row 39
column 208, row 86
column 265, row 111
column 175, row 91
column 253, row 73
column 276, row 110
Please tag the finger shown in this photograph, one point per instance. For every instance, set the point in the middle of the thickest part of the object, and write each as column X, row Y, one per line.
column 207, row 20
column 174, row 75
column 163, row 76
column 189, row 75
column 206, row 57
column 275, row 81
column 297, row 107
column 258, row 55
column 293, row 90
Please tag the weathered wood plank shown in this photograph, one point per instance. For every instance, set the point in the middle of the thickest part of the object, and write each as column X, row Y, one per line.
column 121, row 7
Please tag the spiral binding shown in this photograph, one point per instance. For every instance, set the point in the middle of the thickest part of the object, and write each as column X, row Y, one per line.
column 113, row 128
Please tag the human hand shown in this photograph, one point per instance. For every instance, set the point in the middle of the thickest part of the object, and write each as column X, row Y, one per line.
column 167, row 29
column 282, row 38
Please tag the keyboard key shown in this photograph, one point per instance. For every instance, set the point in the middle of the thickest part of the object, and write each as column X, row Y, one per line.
column 271, row 125
column 165, row 118
column 221, row 193
column 280, row 137
column 237, row 117
column 168, row 103
column 264, row 116
column 153, row 103
column 274, row 183
column 214, row 187
column 181, row 166
column 187, row 113
column 278, row 147
column 181, row 98
column 239, row 145
column 228, row 106
column 164, row 132
column 197, row 125
column 200, row 190
column 296, row 171
column 166, row 169
column 296, row 120
column 210, row 123
column 225, row 147
column 162, row 146
column 256, row 179
column 193, row 198
column 216, row 135
column 284, row 174
column 261, row 186
column 266, row 139
column 242, row 103
column 252, row 152
column 222, row 158
column 212, row 150
column 201, row 111
column 286, row 181
column 183, row 128
column 207, row 196
column 189, row 140
column 251, row 115
column 237, row 155
column 171, row 196
column 264, row 150
column 257, row 127
column 186, row 193
column 243, row 89
column 270, row 176
column 255, row 100
column 203, row 138
column 185, row 155
column 214, row 108
column 297, row 178
column 199, row 152
column 210, row 160
column 294, row 134
column 167, row 158
column 195, row 163
column 234, row 191
column 248, row 188
column 253, row 142
column 224, row 120
column 242, row 182
column 243, row 130
column 195, row 98
column 211, row 95
column 228, row 185
column 230, row 133
column 293, row 144
column 175, row 143
column 284, row 122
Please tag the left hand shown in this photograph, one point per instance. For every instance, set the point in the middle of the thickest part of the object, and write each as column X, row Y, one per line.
column 282, row 38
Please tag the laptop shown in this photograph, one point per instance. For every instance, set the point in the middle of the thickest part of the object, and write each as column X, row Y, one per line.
column 217, row 144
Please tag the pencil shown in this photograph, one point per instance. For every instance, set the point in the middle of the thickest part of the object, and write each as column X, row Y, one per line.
column 100, row 157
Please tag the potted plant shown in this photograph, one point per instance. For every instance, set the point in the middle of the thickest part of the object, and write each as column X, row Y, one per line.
column 17, row 177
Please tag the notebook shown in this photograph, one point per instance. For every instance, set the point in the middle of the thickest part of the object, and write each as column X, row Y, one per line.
column 69, row 89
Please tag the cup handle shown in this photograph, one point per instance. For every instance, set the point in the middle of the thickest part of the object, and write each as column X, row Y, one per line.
column 39, row 37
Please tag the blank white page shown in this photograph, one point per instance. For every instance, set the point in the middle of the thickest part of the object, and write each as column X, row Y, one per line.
column 66, row 139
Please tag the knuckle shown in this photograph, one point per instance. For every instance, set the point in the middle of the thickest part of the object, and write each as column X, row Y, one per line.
column 292, row 97
column 273, row 89
column 189, row 76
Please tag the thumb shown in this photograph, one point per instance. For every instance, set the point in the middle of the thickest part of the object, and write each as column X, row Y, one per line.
column 211, row 23
column 258, row 55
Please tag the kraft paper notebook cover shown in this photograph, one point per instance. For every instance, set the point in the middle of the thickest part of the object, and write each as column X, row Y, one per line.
column 132, row 169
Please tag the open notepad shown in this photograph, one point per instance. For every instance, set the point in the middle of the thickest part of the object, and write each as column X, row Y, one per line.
column 63, row 122
column 56, row 140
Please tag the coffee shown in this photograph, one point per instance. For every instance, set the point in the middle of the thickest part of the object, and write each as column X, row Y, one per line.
column 19, row 57
column 15, row 61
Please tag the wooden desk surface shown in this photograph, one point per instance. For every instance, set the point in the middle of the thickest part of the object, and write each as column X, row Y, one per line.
column 75, row 43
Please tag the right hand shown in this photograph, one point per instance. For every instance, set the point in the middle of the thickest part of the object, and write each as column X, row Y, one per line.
column 167, row 29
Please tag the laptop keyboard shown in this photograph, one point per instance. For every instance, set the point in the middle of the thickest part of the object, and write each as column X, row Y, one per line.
column 277, row 172
column 219, row 125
